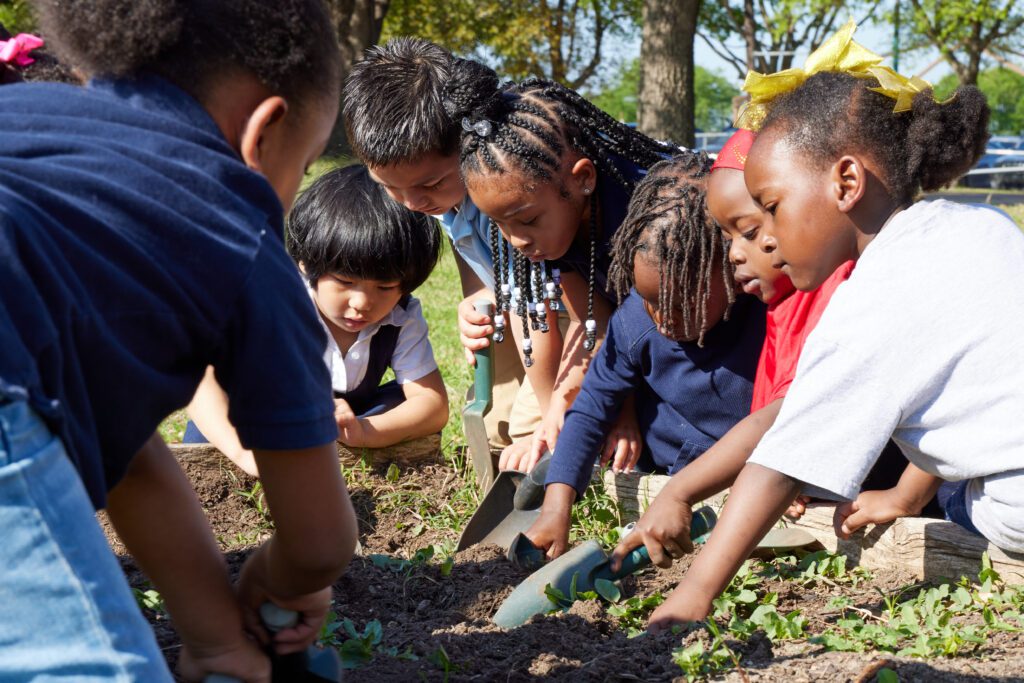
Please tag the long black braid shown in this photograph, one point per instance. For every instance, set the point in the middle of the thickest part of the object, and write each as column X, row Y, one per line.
column 500, row 282
column 668, row 222
column 528, row 126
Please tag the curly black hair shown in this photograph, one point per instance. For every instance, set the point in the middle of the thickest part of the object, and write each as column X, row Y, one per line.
column 392, row 103
column 346, row 223
column 669, row 223
column 288, row 45
column 925, row 148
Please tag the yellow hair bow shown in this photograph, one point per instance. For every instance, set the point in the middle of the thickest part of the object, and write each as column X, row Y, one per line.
column 840, row 53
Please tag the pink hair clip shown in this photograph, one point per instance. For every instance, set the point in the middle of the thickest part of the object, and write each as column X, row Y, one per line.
column 16, row 50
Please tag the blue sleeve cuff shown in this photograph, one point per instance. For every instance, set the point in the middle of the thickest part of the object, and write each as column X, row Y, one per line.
column 579, row 446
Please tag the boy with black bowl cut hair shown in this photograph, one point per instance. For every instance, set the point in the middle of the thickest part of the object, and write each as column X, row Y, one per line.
column 337, row 233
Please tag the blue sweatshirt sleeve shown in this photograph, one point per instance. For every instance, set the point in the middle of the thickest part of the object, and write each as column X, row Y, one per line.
column 611, row 378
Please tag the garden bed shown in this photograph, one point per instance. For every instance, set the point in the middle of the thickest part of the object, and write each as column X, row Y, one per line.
column 420, row 614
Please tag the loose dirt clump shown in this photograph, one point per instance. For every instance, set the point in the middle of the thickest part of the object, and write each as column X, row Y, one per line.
column 435, row 615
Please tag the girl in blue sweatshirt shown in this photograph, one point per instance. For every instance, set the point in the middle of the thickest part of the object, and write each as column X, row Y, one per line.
column 681, row 343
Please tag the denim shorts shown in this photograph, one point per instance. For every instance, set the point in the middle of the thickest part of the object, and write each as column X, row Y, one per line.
column 66, row 611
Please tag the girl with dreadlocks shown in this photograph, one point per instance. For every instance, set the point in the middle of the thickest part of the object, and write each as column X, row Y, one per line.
column 555, row 175
column 915, row 346
column 692, row 382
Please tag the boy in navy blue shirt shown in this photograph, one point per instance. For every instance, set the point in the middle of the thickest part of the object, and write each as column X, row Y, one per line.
column 680, row 344
column 137, row 247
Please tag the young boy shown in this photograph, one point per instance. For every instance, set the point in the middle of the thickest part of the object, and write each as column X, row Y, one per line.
column 337, row 233
column 398, row 127
column 689, row 372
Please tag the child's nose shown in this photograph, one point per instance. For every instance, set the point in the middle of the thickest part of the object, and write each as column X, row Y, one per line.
column 416, row 201
column 736, row 255
column 768, row 243
column 359, row 301
column 519, row 242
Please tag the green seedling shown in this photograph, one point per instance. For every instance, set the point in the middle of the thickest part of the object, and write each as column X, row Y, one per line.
column 149, row 599
column 356, row 648
column 699, row 660
column 633, row 613
column 258, row 501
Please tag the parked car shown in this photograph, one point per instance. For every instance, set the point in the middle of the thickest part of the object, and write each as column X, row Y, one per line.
column 999, row 149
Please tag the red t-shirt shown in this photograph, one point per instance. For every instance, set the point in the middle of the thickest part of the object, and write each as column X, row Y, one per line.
column 789, row 323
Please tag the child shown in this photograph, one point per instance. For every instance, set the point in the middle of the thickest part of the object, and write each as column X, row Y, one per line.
column 555, row 174
column 411, row 147
column 141, row 229
column 691, row 382
column 914, row 345
column 337, row 233
column 791, row 317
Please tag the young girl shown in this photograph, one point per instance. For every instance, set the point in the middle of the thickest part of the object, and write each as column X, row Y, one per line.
column 555, row 174
column 337, row 232
column 791, row 317
column 914, row 346
column 692, row 382
column 141, row 230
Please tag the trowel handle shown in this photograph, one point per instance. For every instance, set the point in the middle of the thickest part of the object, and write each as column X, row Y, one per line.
column 483, row 376
column 703, row 521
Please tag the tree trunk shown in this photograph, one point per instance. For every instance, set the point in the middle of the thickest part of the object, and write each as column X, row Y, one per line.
column 358, row 24
column 665, row 108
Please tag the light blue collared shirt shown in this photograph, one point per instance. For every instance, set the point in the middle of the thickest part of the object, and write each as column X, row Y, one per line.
column 469, row 230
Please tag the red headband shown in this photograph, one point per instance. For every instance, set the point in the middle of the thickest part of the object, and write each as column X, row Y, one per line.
column 734, row 152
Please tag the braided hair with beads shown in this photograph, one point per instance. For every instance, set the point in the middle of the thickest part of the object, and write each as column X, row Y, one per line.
column 668, row 223
column 528, row 127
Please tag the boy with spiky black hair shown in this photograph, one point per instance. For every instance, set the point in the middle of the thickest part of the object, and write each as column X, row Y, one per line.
column 398, row 126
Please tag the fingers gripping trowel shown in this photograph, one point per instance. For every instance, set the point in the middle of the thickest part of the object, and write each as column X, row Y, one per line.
column 473, row 414
column 315, row 665
column 511, row 506
column 585, row 564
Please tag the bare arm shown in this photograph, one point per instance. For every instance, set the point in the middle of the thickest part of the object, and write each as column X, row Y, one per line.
column 911, row 493
column 756, row 501
column 546, row 355
column 157, row 515
column 209, row 410
column 424, row 411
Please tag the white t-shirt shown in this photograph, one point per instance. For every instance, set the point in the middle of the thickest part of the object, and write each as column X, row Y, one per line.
column 413, row 357
column 924, row 342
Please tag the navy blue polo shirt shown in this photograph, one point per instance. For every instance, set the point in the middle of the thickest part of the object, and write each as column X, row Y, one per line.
column 136, row 248
column 686, row 396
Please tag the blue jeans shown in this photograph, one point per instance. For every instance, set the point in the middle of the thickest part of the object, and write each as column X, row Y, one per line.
column 953, row 498
column 66, row 611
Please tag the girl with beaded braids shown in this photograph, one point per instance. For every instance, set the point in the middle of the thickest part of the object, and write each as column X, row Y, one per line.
column 920, row 343
column 555, row 174
column 682, row 343
column 142, row 243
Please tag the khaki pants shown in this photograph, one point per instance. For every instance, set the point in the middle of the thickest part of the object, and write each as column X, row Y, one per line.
column 515, row 411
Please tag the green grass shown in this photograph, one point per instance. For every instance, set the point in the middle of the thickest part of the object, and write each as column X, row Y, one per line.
column 1016, row 212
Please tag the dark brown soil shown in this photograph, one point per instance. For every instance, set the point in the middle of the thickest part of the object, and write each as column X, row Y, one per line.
column 425, row 613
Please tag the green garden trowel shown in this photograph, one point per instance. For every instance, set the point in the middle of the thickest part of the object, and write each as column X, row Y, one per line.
column 580, row 570
column 473, row 414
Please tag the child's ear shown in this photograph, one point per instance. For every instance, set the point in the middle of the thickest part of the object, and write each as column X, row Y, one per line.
column 849, row 182
column 584, row 175
column 264, row 123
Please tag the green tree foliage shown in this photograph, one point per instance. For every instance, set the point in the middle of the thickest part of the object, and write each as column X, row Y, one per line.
column 553, row 39
column 769, row 33
column 713, row 93
column 964, row 30
column 16, row 16
column 1004, row 90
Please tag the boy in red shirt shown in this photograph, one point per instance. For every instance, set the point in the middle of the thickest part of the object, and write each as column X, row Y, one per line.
column 792, row 315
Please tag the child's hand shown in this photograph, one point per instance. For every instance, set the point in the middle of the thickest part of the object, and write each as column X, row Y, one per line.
column 797, row 508
column 664, row 529
column 242, row 659
column 515, row 456
column 474, row 328
column 870, row 507
column 679, row 608
column 545, row 438
column 550, row 532
column 351, row 431
column 624, row 443
column 254, row 589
